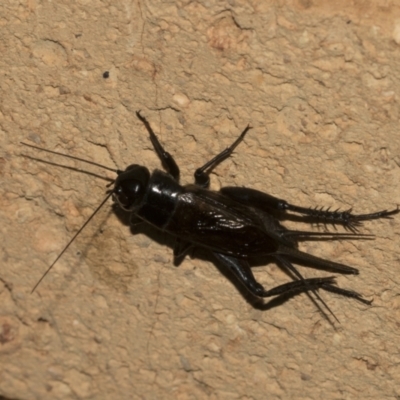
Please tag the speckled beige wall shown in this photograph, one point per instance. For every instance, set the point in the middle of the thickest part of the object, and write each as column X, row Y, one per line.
column 319, row 83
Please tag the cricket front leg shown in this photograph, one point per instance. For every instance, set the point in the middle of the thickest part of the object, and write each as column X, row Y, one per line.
column 166, row 158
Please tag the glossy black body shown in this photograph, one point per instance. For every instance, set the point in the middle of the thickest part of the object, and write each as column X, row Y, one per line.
column 205, row 218
column 234, row 224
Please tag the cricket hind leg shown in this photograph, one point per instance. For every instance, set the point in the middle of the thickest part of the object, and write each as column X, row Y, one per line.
column 241, row 269
column 290, row 238
column 271, row 204
column 295, row 274
column 349, row 221
column 201, row 174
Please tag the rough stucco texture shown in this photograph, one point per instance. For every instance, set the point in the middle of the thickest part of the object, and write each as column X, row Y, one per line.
column 320, row 84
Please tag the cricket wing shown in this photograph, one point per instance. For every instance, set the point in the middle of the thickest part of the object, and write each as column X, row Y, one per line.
column 211, row 220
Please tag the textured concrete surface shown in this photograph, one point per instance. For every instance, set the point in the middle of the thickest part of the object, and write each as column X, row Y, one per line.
column 115, row 319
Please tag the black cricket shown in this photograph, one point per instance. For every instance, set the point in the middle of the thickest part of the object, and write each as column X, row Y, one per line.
column 235, row 224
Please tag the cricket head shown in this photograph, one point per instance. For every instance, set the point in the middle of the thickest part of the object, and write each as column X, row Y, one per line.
column 130, row 187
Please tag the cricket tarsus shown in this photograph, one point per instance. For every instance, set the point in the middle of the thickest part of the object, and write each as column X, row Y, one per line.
column 235, row 224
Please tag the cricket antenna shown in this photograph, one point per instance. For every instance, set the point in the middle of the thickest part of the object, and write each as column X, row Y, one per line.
column 73, row 238
column 110, row 192
column 72, row 157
